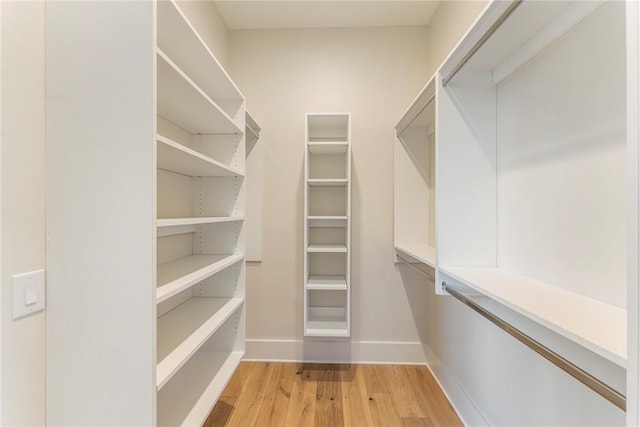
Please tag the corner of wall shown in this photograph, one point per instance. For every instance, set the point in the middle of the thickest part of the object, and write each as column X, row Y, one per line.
column 22, row 358
column 448, row 24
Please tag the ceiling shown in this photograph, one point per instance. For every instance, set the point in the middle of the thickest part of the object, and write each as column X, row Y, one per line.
column 269, row 14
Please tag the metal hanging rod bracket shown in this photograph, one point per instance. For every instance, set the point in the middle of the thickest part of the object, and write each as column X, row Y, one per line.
column 487, row 34
column 576, row 372
column 410, row 264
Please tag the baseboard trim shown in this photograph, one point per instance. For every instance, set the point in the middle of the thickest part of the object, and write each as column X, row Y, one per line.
column 335, row 351
column 464, row 406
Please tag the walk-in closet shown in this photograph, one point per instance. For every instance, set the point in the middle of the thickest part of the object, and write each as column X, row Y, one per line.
column 319, row 213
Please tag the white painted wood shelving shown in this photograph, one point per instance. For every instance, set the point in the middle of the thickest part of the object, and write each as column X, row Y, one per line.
column 414, row 181
column 327, row 231
column 200, row 208
column 532, row 172
column 156, row 128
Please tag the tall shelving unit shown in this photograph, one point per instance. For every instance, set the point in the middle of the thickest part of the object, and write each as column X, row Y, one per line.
column 200, row 211
column 327, row 225
column 176, row 326
column 414, row 182
column 532, row 178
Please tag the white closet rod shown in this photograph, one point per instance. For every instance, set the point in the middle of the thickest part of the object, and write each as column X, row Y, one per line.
column 412, row 265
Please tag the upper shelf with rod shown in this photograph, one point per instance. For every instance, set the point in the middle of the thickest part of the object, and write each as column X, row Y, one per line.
column 532, row 168
column 414, row 180
column 525, row 29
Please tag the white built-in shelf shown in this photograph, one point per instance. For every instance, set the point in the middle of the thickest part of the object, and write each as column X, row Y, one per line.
column 327, row 294
column 327, row 283
column 421, row 113
column 183, row 330
column 327, row 322
column 414, row 177
column 423, row 253
column 178, row 275
column 327, row 147
column 327, row 328
column 597, row 326
column 327, row 248
column 179, row 40
column 183, row 103
column 324, row 182
column 327, row 221
column 175, row 222
column 177, row 158
column 189, row 397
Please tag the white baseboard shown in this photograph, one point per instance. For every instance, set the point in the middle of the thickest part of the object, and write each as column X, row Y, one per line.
column 467, row 411
column 317, row 350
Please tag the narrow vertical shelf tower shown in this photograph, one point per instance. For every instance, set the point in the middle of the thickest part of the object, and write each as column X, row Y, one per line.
column 327, row 225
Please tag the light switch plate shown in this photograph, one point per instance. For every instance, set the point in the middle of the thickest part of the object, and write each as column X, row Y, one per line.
column 27, row 293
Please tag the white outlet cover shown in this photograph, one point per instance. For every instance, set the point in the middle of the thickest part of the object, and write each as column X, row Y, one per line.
column 28, row 293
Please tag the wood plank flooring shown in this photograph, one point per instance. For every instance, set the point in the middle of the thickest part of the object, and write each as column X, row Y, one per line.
column 295, row 394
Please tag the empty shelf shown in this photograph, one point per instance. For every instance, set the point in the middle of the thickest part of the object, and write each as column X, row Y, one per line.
column 327, row 248
column 183, row 330
column 327, row 322
column 177, row 158
column 178, row 275
column 423, row 253
column 174, row 222
column 326, row 328
column 189, row 397
column 180, row 41
column 182, row 102
column 597, row 326
column 327, row 221
column 321, row 182
column 328, row 283
column 327, row 147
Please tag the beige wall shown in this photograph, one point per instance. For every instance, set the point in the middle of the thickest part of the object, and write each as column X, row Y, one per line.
column 23, row 199
column 204, row 15
column 374, row 73
column 449, row 23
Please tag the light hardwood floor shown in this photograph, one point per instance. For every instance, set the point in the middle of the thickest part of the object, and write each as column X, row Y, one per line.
column 295, row 394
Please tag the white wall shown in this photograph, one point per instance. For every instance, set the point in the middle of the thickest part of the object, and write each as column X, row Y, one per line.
column 1, row 290
column 374, row 73
column 100, row 238
column 448, row 24
column 23, row 199
column 204, row 15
